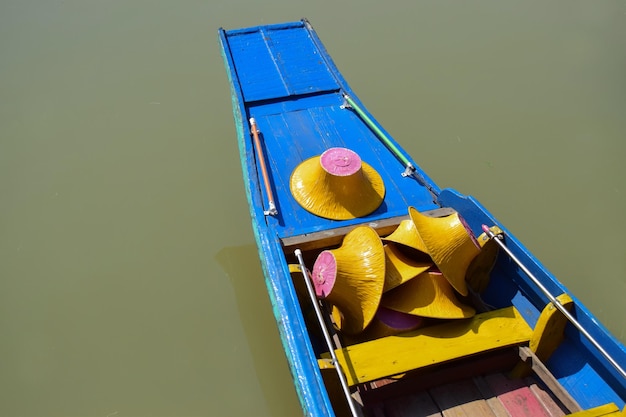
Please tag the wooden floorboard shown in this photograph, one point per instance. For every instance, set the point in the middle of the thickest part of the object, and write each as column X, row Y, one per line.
column 490, row 398
column 493, row 395
column 516, row 397
column 383, row 390
column 461, row 399
column 545, row 398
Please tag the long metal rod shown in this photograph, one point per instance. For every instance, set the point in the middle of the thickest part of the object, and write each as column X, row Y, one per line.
column 327, row 337
column 409, row 169
column 271, row 210
column 378, row 132
column 556, row 302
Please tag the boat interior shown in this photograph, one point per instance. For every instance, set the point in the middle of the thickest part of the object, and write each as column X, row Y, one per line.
column 492, row 364
column 513, row 357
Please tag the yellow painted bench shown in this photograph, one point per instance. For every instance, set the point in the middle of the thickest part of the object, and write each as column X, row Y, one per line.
column 603, row 411
column 455, row 339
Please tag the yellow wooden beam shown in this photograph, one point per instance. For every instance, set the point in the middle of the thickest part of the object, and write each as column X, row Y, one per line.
column 549, row 330
column 548, row 333
column 454, row 339
column 604, row 410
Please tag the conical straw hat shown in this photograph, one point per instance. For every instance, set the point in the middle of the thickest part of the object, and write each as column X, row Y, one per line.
column 399, row 268
column 406, row 234
column 352, row 277
column 386, row 322
column 428, row 295
column 450, row 245
column 337, row 185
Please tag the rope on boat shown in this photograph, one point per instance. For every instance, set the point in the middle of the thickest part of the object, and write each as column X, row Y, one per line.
column 327, row 337
column 271, row 211
column 555, row 301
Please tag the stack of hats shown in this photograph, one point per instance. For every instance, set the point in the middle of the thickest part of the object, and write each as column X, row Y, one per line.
column 393, row 283
column 451, row 246
column 380, row 286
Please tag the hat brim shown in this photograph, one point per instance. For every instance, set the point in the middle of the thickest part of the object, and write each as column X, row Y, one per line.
column 428, row 295
column 406, row 234
column 450, row 245
column 336, row 198
column 386, row 322
column 358, row 277
column 399, row 268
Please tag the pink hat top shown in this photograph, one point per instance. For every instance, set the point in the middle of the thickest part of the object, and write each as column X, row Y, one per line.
column 341, row 162
column 324, row 273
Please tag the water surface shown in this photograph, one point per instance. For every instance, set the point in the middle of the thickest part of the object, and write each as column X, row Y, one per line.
column 129, row 281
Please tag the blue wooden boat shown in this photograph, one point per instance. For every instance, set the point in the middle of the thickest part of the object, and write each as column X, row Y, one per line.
column 499, row 335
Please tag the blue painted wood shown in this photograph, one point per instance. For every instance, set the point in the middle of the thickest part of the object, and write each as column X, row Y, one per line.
column 292, row 137
column 283, row 77
column 291, row 326
column 576, row 363
column 278, row 61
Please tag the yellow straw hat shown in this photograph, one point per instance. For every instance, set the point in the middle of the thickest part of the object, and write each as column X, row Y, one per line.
column 399, row 268
column 352, row 277
column 428, row 295
column 386, row 322
column 450, row 245
column 337, row 185
column 406, row 234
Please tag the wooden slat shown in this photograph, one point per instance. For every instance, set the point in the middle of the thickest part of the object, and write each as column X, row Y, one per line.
column 492, row 401
column 545, row 398
column 461, row 399
column 547, row 378
column 494, row 395
column 332, row 237
column 432, row 376
column 516, row 396
column 432, row 345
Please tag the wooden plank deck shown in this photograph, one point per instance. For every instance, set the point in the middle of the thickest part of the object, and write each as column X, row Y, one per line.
column 493, row 395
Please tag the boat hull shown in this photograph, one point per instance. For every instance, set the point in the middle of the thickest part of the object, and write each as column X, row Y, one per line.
column 282, row 76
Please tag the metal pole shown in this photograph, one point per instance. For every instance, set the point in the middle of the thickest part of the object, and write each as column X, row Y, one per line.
column 378, row 132
column 556, row 302
column 329, row 343
column 409, row 169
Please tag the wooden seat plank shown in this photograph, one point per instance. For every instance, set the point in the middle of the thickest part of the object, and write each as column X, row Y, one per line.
column 455, row 339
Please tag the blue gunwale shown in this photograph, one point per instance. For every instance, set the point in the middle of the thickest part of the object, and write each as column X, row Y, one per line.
column 298, row 121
